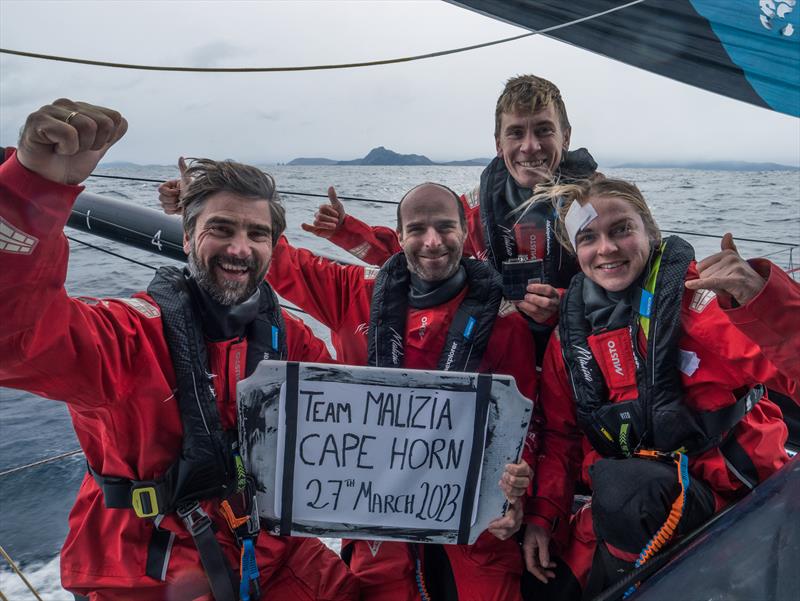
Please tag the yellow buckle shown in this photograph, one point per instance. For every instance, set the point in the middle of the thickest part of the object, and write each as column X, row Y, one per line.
column 144, row 499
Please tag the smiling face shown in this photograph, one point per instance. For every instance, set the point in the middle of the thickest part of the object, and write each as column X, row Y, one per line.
column 230, row 247
column 531, row 145
column 431, row 235
column 613, row 249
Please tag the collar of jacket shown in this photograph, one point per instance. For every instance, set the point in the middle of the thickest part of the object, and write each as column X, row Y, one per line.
column 222, row 322
column 422, row 294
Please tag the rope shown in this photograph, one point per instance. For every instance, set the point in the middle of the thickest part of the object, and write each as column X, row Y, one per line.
column 668, row 528
column 13, row 470
column 787, row 244
column 287, row 192
column 390, row 61
column 419, row 576
column 112, row 253
column 20, row 574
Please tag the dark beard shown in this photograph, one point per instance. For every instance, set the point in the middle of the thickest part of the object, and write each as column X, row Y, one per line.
column 224, row 295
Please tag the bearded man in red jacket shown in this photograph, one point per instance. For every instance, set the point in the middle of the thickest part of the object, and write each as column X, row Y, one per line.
column 150, row 381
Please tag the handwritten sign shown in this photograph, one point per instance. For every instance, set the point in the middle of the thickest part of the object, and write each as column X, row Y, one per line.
column 379, row 455
column 373, row 453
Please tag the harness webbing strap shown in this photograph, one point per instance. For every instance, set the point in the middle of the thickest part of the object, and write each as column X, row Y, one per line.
column 118, row 493
column 219, row 575
column 739, row 462
column 158, row 552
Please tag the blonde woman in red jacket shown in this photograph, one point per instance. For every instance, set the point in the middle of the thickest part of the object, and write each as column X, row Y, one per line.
column 651, row 398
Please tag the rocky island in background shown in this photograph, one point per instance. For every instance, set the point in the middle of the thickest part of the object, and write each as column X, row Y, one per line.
column 381, row 156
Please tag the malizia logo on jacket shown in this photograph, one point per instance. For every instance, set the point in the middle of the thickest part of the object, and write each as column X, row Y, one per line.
column 396, row 341
column 584, row 356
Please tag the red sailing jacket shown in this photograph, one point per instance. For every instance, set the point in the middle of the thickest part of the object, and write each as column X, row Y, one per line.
column 375, row 244
column 340, row 297
column 108, row 360
column 719, row 362
column 772, row 318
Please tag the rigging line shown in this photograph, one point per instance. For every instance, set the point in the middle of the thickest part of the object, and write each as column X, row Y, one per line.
column 404, row 59
column 132, row 179
column 777, row 252
column 736, row 238
column 286, row 192
column 317, row 195
column 123, row 257
column 19, row 468
column 112, row 253
column 19, row 573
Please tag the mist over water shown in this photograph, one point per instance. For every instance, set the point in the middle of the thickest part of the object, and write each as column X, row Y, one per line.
column 36, row 502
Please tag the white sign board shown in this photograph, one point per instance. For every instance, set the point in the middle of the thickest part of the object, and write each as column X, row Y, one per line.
column 374, row 453
column 379, row 455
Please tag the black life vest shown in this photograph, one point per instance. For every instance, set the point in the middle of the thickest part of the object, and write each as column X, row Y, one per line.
column 658, row 418
column 469, row 331
column 208, row 466
column 205, row 468
column 499, row 228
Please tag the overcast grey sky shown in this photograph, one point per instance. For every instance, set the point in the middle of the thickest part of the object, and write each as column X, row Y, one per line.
column 441, row 107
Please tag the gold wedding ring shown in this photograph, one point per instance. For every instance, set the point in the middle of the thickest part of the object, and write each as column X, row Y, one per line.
column 70, row 116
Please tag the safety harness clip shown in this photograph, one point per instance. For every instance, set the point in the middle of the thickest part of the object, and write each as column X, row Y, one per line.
column 195, row 519
column 144, row 501
column 658, row 455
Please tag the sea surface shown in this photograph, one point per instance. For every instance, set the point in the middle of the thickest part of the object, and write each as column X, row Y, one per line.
column 34, row 503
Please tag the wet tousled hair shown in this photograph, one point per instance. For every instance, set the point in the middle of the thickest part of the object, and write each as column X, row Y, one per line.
column 209, row 177
column 561, row 196
column 462, row 217
column 527, row 94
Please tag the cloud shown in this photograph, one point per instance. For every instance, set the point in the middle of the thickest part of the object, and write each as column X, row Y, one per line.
column 196, row 105
column 268, row 115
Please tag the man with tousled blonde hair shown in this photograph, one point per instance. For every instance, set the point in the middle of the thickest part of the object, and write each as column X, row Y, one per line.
column 529, row 93
column 532, row 135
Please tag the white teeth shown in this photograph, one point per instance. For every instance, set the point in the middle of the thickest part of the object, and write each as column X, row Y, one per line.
column 610, row 265
column 532, row 163
column 232, row 267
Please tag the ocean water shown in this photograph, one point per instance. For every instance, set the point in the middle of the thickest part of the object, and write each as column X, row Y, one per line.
column 35, row 502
